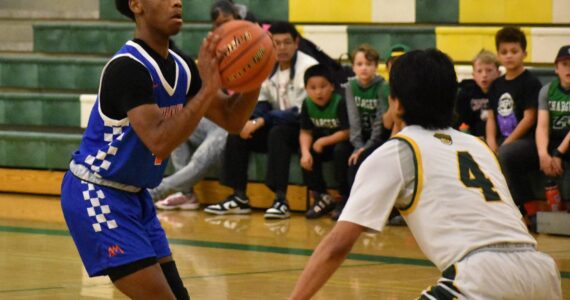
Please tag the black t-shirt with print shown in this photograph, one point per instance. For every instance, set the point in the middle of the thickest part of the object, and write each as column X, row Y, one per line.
column 510, row 98
column 471, row 107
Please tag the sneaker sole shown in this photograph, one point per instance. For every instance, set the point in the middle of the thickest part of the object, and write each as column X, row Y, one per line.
column 273, row 216
column 227, row 212
column 179, row 207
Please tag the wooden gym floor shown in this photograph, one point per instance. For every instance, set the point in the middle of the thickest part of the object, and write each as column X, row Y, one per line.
column 220, row 257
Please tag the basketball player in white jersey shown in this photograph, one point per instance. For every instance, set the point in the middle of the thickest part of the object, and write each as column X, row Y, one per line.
column 451, row 192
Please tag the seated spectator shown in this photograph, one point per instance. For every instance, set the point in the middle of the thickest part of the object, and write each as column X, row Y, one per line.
column 223, row 11
column 472, row 99
column 553, row 126
column 365, row 105
column 272, row 129
column 390, row 128
column 190, row 166
column 324, row 136
column 511, row 120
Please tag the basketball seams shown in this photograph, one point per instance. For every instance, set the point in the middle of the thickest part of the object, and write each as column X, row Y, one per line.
column 249, row 55
column 243, row 52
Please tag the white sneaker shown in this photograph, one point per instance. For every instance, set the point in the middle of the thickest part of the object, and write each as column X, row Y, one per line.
column 179, row 201
column 232, row 205
column 279, row 210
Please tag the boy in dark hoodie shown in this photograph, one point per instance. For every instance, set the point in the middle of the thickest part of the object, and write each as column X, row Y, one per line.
column 472, row 100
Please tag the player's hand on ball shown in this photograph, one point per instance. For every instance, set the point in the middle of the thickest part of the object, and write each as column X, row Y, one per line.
column 208, row 62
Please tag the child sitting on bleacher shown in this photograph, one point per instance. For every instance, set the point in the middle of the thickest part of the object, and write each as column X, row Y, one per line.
column 324, row 136
column 553, row 126
column 365, row 105
column 472, row 99
column 511, row 120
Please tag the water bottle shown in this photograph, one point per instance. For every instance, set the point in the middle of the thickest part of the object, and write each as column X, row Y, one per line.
column 552, row 193
column 464, row 128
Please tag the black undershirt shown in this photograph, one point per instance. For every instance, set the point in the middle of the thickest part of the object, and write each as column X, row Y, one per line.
column 127, row 84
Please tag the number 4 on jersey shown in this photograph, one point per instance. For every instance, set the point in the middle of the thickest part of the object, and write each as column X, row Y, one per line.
column 472, row 176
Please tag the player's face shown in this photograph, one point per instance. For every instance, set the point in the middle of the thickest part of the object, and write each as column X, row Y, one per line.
column 163, row 16
column 286, row 46
column 511, row 55
column 563, row 72
column 484, row 74
column 363, row 68
column 319, row 89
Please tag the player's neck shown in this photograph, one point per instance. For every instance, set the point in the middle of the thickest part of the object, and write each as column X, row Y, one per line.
column 514, row 73
column 156, row 42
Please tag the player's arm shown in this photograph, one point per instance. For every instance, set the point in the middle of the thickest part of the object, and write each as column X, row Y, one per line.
column 526, row 123
column 542, row 139
column 161, row 135
column 326, row 259
column 491, row 130
column 341, row 135
column 232, row 112
column 335, row 138
column 305, row 142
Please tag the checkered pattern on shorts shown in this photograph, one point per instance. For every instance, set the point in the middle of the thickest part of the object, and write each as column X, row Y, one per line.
column 97, row 209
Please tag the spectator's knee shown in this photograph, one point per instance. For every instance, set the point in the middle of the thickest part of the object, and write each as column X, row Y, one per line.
column 506, row 155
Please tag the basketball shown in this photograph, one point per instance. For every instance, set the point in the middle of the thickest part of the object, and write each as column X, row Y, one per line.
column 248, row 55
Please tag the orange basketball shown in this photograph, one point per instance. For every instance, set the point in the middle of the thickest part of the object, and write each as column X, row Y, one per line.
column 248, row 55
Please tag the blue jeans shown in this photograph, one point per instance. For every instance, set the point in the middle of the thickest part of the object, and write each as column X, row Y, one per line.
column 192, row 159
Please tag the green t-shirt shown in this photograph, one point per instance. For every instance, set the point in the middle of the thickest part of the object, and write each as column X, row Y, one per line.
column 559, row 110
column 324, row 120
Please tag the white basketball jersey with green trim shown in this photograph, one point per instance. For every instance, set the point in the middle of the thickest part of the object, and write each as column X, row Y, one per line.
column 461, row 201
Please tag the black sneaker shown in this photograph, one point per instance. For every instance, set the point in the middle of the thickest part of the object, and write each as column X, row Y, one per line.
column 335, row 214
column 233, row 205
column 323, row 205
column 279, row 210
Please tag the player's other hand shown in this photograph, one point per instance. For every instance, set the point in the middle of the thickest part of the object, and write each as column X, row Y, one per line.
column 208, row 62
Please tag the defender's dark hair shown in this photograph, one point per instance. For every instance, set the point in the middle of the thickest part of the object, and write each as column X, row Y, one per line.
column 510, row 34
column 284, row 27
column 319, row 70
column 223, row 7
column 123, row 7
column 425, row 83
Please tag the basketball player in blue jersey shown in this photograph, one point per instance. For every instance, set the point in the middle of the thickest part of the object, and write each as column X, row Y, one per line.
column 150, row 100
column 449, row 188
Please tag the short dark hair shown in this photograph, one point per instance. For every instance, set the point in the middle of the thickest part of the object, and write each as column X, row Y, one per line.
column 319, row 70
column 284, row 27
column 510, row 34
column 223, row 6
column 123, row 7
column 425, row 83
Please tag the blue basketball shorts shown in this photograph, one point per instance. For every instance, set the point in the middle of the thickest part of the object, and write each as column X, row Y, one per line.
column 111, row 227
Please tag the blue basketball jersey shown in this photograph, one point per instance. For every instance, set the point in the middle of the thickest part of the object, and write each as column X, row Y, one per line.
column 110, row 149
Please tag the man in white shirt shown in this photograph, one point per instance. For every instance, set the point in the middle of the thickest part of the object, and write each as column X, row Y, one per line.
column 273, row 128
column 451, row 192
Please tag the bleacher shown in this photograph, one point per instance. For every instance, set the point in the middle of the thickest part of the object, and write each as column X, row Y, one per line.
column 52, row 53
